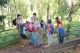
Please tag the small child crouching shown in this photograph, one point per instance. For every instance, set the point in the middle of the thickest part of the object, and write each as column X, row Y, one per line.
column 22, row 34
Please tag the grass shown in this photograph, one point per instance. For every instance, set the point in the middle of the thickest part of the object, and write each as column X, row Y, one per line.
column 7, row 33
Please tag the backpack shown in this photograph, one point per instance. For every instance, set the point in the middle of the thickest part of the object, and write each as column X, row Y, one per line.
column 62, row 33
column 27, row 25
column 41, row 24
column 52, row 29
column 32, row 28
column 14, row 22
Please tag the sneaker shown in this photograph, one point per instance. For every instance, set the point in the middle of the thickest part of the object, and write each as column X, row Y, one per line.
column 22, row 46
column 47, row 46
column 30, row 43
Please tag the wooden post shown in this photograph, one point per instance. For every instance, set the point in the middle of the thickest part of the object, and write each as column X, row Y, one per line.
column 19, row 32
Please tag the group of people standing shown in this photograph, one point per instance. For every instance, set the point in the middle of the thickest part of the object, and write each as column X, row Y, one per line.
column 37, row 29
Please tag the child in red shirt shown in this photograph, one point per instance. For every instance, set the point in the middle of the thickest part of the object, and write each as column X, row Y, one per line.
column 58, row 21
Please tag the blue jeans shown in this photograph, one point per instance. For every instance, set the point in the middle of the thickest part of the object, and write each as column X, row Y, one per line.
column 61, row 39
column 31, row 37
column 36, row 42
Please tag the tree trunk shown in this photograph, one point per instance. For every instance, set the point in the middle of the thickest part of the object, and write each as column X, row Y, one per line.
column 70, row 18
column 15, row 8
column 58, row 8
column 8, row 16
column 36, row 7
column 3, row 19
column 47, row 11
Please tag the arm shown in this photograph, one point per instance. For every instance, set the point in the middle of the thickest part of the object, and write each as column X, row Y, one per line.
column 58, row 33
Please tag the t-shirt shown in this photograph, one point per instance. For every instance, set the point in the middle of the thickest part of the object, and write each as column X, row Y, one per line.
column 40, row 31
column 34, row 19
column 35, row 35
column 18, row 20
column 49, row 29
column 24, row 30
column 59, row 22
column 61, row 32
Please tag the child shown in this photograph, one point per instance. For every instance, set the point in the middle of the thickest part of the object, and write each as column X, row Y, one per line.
column 61, row 33
column 43, row 25
column 34, row 34
column 49, row 32
column 58, row 21
column 41, row 31
column 22, row 34
column 31, row 36
column 36, row 39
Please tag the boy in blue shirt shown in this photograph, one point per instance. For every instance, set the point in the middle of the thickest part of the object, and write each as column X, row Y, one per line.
column 61, row 33
column 35, row 39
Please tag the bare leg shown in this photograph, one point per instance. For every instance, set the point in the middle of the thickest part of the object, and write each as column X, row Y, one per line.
column 24, row 43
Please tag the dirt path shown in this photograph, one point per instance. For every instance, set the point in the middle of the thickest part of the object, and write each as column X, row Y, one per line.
column 30, row 49
column 27, row 49
column 18, row 49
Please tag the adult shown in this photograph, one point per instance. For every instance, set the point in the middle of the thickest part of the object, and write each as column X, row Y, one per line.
column 34, row 18
column 19, row 19
column 58, row 21
column 21, row 27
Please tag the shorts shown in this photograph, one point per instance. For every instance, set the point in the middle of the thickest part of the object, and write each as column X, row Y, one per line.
column 23, row 36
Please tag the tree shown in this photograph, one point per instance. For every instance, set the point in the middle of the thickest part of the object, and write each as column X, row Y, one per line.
column 15, row 8
column 70, row 17
column 2, row 3
column 47, row 12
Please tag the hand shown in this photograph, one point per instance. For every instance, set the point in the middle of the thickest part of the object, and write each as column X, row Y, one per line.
column 57, row 35
column 40, row 36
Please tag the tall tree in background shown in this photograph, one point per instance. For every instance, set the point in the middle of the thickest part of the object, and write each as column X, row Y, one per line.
column 70, row 17
column 47, row 12
column 37, row 6
column 2, row 3
column 15, row 8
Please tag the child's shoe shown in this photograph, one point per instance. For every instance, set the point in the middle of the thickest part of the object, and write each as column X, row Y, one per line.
column 30, row 43
column 47, row 45
column 22, row 46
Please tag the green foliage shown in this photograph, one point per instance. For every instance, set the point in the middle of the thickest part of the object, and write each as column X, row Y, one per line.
column 2, row 2
column 1, row 20
column 76, row 7
column 63, row 8
column 2, row 17
column 7, row 33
